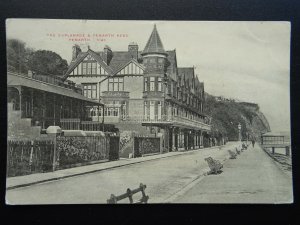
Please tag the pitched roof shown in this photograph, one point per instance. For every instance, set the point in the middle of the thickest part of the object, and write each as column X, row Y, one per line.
column 172, row 68
column 187, row 73
column 120, row 59
column 82, row 56
column 154, row 44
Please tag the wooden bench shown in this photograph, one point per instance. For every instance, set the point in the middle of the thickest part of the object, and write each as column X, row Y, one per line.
column 232, row 154
column 244, row 146
column 129, row 193
column 214, row 165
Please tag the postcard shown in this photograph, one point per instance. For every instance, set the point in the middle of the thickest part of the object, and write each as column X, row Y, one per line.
column 125, row 112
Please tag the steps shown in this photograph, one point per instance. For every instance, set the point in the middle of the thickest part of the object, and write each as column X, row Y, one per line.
column 20, row 127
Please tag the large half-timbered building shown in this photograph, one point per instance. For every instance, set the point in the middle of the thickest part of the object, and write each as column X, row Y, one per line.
column 144, row 91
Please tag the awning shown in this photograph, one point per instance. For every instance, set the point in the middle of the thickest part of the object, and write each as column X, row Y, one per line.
column 19, row 80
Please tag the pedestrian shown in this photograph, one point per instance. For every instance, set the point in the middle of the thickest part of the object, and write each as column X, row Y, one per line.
column 253, row 143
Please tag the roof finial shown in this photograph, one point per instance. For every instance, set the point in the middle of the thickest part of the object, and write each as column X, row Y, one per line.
column 88, row 47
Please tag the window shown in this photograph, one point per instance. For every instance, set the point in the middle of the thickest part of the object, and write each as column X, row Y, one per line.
column 90, row 90
column 152, row 110
column 146, row 84
column 152, row 83
column 160, row 60
column 152, row 60
column 159, row 110
column 89, row 68
column 94, row 68
column 145, row 110
column 116, row 84
column 84, row 68
column 159, row 87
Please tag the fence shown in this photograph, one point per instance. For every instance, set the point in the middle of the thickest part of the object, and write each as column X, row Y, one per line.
column 26, row 157
column 72, row 150
column 146, row 145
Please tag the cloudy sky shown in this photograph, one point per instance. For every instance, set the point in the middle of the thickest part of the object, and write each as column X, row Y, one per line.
column 249, row 61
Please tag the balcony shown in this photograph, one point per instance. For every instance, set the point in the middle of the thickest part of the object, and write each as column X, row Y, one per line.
column 55, row 80
column 115, row 94
column 168, row 120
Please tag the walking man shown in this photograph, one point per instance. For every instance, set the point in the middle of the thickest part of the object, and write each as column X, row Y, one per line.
column 253, row 142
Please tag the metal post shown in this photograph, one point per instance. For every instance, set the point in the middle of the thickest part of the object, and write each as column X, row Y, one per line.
column 54, row 154
column 54, row 109
column 103, row 118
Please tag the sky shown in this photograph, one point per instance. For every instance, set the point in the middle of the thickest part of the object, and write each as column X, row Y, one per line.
column 249, row 61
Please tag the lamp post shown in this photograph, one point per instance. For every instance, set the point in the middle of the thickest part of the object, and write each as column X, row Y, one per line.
column 240, row 135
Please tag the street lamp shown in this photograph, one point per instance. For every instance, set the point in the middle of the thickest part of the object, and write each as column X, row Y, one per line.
column 240, row 136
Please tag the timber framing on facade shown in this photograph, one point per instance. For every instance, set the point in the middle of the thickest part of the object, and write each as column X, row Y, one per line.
column 146, row 88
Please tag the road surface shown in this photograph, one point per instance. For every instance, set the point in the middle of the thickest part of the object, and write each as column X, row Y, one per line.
column 251, row 178
column 163, row 178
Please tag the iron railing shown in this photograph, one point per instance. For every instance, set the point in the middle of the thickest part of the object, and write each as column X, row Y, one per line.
column 55, row 80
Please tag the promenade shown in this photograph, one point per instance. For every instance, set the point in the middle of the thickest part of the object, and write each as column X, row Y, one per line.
column 253, row 177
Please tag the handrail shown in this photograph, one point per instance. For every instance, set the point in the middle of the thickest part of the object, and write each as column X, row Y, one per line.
column 55, row 80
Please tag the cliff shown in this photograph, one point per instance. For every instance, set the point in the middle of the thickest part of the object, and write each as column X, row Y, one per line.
column 228, row 113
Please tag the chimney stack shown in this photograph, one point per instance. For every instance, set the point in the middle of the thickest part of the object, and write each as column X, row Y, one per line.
column 76, row 51
column 107, row 54
column 133, row 49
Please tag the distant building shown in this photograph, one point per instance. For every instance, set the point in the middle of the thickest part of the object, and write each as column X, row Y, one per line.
column 144, row 91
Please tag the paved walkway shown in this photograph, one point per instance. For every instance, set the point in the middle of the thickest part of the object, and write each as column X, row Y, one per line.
column 21, row 181
column 251, row 178
column 164, row 176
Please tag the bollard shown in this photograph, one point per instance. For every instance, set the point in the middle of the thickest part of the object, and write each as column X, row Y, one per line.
column 273, row 150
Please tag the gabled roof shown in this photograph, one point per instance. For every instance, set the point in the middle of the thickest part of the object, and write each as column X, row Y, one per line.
column 172, row 60
column 119, row 59
column 154, row 44
column 133, row 60
column 187, row 73
column 82, row 56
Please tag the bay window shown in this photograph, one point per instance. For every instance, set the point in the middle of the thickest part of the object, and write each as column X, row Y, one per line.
column 152, row 83
column 159, row 85
column 145, row 84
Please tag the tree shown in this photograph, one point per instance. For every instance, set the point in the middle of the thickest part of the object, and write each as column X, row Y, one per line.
column 47, row 63
column 17, row 56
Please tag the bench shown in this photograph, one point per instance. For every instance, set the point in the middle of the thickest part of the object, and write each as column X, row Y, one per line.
column 214, row 165
column 129, row 193
column 232, row 154
column 244, row 146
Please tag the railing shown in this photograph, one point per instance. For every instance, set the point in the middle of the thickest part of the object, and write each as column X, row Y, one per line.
column 77, row 124
column 70, row 124
column 91, row 126
column 51, row 80
column 165, row 119
column 123, row 94
column 189, row 122
column 73, row 150
column 26, row 157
